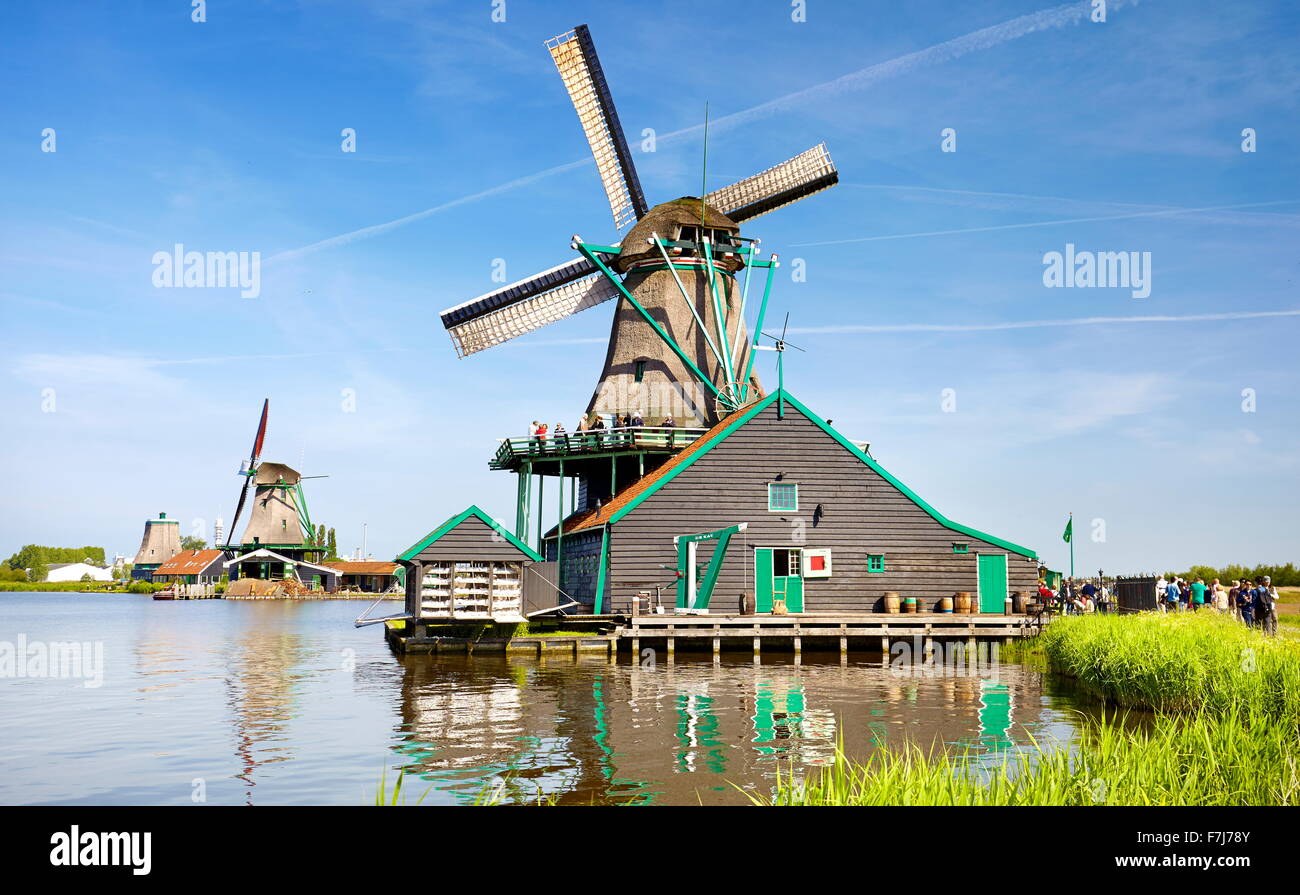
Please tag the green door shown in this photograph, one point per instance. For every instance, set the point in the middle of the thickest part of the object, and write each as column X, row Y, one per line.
column 776, row 577
column 993, row 582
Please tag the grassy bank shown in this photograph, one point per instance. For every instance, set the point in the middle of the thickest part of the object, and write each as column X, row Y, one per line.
column 1231, row 758
column 79, row 587
column 1177, row 662
column 1226, row 731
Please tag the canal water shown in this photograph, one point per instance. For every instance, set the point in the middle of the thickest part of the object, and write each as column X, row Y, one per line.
column 271, row 702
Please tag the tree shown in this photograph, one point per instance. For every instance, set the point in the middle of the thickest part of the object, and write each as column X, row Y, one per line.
column 191, row 542
column 33, row 553
column 332, row 547
column 38, row 571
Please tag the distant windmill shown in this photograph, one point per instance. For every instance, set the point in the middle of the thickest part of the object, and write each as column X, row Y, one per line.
column 278, row 516
column 678, row 337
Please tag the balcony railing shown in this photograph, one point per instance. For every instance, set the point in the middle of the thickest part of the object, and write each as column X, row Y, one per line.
column 594, row 441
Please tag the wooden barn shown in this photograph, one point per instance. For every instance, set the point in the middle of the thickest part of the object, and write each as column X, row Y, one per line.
column 192, row 567
column 367, row 576
column 801, row 515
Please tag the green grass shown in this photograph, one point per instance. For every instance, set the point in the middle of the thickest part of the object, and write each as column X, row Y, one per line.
column 504, row 791
column 1179, row 662
column 1227, row 758
column 78, row 587
column 1226, row 729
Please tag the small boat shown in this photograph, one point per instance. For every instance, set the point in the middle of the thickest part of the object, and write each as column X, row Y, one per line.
column 165, row 594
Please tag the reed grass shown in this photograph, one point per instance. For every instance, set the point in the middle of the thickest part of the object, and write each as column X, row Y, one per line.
column 1227, row 758
column 1226, row 730
column 1180, row 662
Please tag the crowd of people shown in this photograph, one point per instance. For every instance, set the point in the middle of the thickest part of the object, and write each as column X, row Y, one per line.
column 1253, row 604
column 1092, row 595
column 541, row 433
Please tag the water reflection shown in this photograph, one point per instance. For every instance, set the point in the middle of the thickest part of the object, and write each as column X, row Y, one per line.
column 591, row 731
column 287, row 703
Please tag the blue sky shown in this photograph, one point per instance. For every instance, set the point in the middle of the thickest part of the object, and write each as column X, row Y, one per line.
column 923, row 268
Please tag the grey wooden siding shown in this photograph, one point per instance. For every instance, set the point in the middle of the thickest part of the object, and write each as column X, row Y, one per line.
column 581, row 564
column 473, row 539
column 862, row 514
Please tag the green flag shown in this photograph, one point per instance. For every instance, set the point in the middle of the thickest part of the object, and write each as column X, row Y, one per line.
column 1069, row 531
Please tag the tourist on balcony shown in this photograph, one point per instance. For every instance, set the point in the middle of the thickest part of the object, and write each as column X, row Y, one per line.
column 636, row 421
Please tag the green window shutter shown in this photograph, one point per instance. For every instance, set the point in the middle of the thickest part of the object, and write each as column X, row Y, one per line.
column 960, row 548
column 782, row 496
column 640, row 371
column 876, row 562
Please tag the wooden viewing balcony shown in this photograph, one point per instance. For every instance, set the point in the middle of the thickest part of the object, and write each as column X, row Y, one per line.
column 514, row 452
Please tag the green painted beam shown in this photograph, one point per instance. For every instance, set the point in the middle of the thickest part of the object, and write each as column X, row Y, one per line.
column 758, row 330
column 654, row 325
column 602, row 572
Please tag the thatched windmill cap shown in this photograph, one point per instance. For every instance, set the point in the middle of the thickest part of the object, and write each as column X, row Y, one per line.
column 666, row 220
column 272, row 473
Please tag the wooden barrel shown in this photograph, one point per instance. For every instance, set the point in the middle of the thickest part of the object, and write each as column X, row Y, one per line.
column 945, row 604
column 909, row 604
column 961, row 602
column 892, row 602
column 1019, row 601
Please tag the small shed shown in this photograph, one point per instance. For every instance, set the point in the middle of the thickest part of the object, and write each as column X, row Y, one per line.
column 469, row 568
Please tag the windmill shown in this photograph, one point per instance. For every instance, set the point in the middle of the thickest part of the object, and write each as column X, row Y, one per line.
column 678, row 345
column 278, row 517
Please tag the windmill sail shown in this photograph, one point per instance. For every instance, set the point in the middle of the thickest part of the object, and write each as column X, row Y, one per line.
column 258, row 440
column 579, row 67
column 525, row 306
column 807, row 173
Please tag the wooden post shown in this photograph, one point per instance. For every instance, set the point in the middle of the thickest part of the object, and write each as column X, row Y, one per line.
column 884, row 651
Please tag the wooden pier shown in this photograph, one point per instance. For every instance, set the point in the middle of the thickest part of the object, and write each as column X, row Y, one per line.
column 711, row 634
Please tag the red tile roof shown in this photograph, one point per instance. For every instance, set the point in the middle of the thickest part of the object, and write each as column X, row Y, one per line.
column 592, row 518
column 188, row 562
column 363, row 567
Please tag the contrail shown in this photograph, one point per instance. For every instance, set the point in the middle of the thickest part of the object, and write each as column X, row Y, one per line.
column 983, row 39
column 377, row 229
column 1032, row 324
column 1166, row 212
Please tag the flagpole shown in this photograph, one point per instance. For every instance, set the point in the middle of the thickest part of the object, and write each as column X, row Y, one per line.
column 1072, row 545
